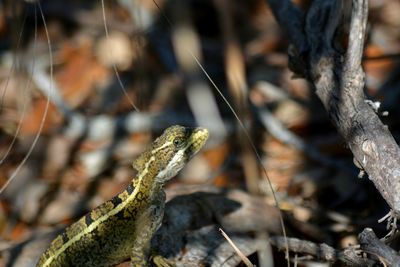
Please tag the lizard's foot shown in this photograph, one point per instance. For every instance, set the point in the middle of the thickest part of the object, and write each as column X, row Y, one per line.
column 139, row 263
column 160, row 261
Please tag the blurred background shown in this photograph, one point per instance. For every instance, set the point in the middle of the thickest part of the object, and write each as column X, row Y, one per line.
column 86, row 85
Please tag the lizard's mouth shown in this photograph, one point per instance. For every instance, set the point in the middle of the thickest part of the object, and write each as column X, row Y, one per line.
column 197, row 139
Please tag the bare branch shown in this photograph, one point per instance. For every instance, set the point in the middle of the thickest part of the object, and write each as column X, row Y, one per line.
column 349, row 256
column 338, row 79
column 372, row 245
column 357, row 35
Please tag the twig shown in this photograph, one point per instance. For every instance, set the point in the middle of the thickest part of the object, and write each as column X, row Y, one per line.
column 349, row 256
column 241, row 255
column 372, row 245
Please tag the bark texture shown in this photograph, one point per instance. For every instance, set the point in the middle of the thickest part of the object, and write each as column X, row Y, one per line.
column 339, row 80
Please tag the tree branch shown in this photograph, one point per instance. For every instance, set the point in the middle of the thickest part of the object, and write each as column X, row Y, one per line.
column 349, row 256
column 372, row 245
column 338, row 79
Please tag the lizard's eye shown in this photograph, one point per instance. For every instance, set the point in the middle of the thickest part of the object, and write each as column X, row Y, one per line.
column 178, row 142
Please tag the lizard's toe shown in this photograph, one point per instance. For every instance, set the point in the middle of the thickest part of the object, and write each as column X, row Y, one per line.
column 160, row 261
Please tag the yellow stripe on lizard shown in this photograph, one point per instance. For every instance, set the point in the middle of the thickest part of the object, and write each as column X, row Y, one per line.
column 122, row 228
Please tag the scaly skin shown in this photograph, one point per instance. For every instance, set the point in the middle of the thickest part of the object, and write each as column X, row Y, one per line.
column 122, row 228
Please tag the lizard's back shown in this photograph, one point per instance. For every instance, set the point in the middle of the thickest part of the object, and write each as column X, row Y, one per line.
column 103, row 237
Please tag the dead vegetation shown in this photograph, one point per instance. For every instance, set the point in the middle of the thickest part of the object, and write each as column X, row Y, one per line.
column 85, row 85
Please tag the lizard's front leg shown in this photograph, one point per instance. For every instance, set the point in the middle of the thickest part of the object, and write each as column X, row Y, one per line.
column 148, row 223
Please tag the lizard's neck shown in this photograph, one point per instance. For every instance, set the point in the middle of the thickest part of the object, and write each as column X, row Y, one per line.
column 147, row 181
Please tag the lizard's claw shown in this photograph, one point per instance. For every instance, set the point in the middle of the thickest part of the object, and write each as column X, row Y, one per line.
column 160, row 261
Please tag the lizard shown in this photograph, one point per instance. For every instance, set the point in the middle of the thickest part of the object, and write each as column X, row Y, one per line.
column 122, row 227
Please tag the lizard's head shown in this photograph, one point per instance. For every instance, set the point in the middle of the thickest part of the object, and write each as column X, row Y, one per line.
column 171, row 151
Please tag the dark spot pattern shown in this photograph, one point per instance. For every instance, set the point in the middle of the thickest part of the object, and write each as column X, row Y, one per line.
column 65, row 238
column 88, row 219
column 130, row 188
column 116, row 200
